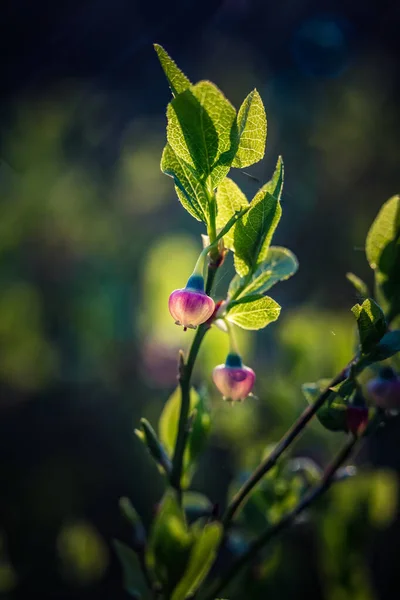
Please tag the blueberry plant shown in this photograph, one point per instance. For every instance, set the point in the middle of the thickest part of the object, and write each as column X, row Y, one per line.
column 206, row 137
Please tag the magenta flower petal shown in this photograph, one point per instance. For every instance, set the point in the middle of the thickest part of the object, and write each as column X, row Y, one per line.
column 190, row 307
column 234, row 383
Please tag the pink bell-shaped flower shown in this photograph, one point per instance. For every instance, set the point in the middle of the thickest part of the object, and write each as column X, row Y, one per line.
column 191, row 306
column 385, row 389
column 233, row 379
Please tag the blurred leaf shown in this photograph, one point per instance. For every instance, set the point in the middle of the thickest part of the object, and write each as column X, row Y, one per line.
column 156, row 450
column 83, row 553
column 387, row 346
column 201, row 131
column 332, row 415
column 170, row 541
column 134, row 582
column 198, row 436
column 196, row 504
column 254, row 314
column 230, row 199
column 252, row 130
column 201, row 423
column 201, row 559
column 279, row 265
column 253, row 233
column 371, row 323
column 8, row 576
column 277, row 493
column 178, row 82
column 129, row 511
column 359, row 285
column 307, row 468
column 347, row 513
column 189, row 189
column 383, row 497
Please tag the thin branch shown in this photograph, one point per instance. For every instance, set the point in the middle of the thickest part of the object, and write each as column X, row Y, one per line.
column 287, row 520
column 280, row 448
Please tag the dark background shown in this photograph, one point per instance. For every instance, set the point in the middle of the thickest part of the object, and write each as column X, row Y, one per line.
column 84, row 351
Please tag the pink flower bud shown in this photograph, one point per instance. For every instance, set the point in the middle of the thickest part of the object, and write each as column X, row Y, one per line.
column 191, row 306
column 234, row 380
column 385, row 389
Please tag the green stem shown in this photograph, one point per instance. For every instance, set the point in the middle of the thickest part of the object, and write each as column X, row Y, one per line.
column 233, row 347
column 212, row 227
column 185, row 375
column 184, row 382
column 280, row 448
column 287, row 520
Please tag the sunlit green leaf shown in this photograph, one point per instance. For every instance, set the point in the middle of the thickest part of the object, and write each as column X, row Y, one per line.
column 169, row 542
column 371, row 323
column 279, row 265
column 384, row 230
column 383, row 253
column 230, row 199
column 255, row 314
column 202, row 131
column 201, row 559
column 252, row 131
column 178, row 82
column 253, row 233
column 190, row 190
column 254, row 230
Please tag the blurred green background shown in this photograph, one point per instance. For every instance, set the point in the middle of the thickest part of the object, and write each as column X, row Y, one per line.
column 93, row 240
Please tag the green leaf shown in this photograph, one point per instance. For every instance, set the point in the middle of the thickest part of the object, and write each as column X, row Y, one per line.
column 254, row 314
column 279, row 265
column 196, row 504
column 178, row 82
column 252, row 130
column 200, row 562
column 170, row 542
column 202, row 131
column 129, row 512
column 384, row 230
column 134, row 582
column 358, row 284
column 332, row 415
column 387, row 346
column 148, row 436
column 371, row 323
column 191, row 192
column 198, row 436
column 253, row 233
column 383, row 253
column 201, row 423
column 230, row 199
column 345, row 388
